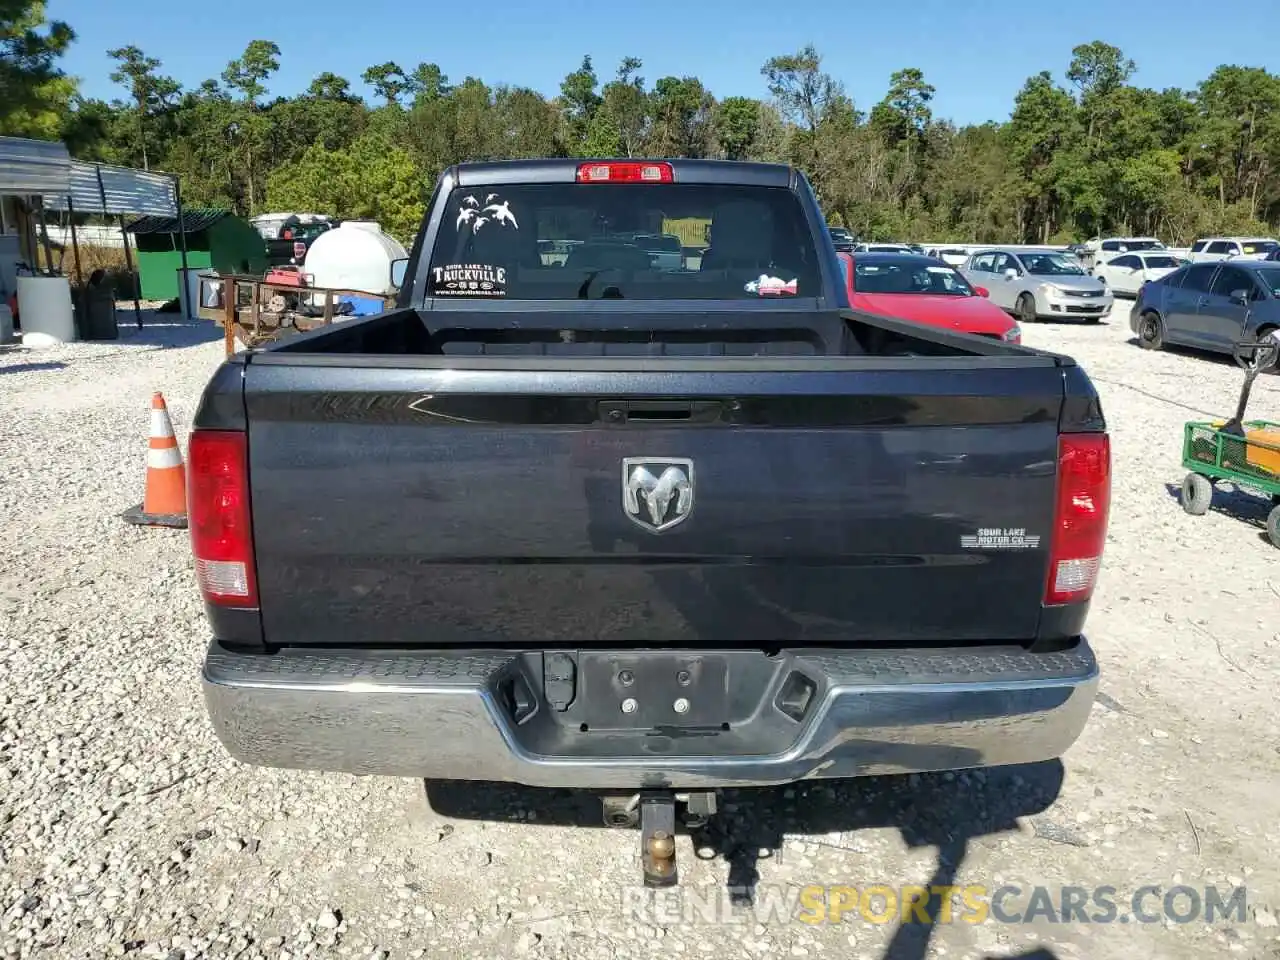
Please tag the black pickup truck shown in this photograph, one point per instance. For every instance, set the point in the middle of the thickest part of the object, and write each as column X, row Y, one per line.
column 584, row 522
column 294, row 239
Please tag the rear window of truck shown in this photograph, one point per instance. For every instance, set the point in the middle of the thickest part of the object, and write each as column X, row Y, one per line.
column 571, row 241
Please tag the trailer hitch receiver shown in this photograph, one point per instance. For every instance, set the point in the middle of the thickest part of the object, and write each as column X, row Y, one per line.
column 658, row 839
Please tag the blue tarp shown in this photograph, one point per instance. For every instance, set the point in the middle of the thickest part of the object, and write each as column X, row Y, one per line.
column 364, row 306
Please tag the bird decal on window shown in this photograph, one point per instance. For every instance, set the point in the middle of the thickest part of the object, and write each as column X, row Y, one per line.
column 501, row 213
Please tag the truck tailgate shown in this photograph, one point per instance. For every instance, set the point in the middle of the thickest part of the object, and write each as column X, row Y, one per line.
column 847, row 501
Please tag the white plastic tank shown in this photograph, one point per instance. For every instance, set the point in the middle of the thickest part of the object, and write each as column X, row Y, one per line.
column 189, row 292
column 44, row 305
column 356, row 255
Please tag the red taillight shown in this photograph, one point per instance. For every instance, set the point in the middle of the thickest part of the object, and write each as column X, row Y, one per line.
column 1080, row 516
column 625, row 173
column 218, row 513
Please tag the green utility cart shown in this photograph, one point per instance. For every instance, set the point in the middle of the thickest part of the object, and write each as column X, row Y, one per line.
column 1245, row 453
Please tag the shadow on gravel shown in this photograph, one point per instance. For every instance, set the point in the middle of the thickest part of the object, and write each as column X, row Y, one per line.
column 1071, row 320
column 33, row 367
column 159, row 332
column 1104, row 321
column 1221, row 359
column 943, row 810
column 167, row 331
column 1232, row 502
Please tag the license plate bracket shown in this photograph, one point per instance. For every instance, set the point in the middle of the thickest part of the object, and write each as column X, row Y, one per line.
column 657, row 685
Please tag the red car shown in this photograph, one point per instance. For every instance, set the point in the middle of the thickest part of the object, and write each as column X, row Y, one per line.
column 924, row 290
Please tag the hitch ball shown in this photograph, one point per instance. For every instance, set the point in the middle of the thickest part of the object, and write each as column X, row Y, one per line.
column 662, row 846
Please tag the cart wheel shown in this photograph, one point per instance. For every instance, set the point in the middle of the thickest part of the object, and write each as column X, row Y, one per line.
column 1197, row 494
column 1273, row 526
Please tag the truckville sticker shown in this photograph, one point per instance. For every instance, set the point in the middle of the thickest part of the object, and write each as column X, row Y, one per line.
column 767, row 286
column 493, row 210
column 1000, row 538
column 469, row 280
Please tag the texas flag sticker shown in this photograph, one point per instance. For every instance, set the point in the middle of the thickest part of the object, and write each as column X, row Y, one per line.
column 767, row 286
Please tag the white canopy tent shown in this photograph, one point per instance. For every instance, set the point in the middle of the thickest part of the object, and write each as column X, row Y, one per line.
column 28, row 169
column 106, row 190
column 33, row 168
column 44, row 169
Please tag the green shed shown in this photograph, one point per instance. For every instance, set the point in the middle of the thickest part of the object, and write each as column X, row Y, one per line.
column 216, row 239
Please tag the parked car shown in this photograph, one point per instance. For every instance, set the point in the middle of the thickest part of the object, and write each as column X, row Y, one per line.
column 665, row 250
column 842, row 239
column 1099, row 250
column 923, row 290
column 1034, row 283
column 1209, row 305
column 644, row 534
column 1213, row 249
column 1127, row 273
column 883, row 248
column 952, row 256
column 553, row 253
column 294, row 239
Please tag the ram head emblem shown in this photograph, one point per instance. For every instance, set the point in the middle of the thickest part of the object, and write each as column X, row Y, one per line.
column 657, row 493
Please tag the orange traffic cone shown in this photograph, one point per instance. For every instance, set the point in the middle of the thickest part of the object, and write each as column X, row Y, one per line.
column 165, row 502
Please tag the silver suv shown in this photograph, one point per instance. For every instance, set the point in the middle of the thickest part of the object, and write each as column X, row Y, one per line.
column 1035, row 283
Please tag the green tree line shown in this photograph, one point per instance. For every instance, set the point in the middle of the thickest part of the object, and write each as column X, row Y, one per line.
column 1084, row 151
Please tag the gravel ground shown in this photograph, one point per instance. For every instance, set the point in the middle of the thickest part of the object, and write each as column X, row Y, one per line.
column 127, row 830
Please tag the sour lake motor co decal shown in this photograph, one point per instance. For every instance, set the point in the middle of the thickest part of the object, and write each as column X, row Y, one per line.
column 469, row 280
column 1000, row 538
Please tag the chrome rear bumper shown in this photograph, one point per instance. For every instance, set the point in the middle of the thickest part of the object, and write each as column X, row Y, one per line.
column 450, row 716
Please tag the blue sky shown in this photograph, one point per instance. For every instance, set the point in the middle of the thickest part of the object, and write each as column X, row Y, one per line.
column 977, row 53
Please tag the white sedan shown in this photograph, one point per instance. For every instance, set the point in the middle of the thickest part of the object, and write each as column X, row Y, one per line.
column 1127, row 273
column 952, row 256
column 899, row 248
